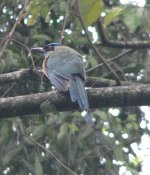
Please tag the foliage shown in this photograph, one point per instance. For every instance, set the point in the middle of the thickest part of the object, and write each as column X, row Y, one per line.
column 91, row 10
column 103, row 149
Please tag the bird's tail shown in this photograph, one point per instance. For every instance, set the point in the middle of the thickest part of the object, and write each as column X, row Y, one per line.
column 78, row 93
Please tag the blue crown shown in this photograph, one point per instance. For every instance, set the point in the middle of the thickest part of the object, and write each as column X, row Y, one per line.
column 54, row 44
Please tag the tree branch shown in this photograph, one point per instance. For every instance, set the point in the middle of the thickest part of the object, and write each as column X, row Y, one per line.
column 22, row 74
column 27, row 48
column 120, row 44
column 111, row 59
column 34, row 75
column 98, row 98
column 9, row 37
column 65, row 21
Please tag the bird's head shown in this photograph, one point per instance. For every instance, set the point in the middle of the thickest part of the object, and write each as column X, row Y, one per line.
column 47, row 48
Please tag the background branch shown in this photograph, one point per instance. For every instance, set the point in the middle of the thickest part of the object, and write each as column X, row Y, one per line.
column 109, row 60
column 51, row 153
column 35, row 75
column 9, row 37
column 98, row 54
column 65, row 20
column 27, row 48
column 119, row 44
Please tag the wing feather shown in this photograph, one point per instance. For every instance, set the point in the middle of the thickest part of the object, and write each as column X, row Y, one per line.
column 59, row 82
column 66, row 63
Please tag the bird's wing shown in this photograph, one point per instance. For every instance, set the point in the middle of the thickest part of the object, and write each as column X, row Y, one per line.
column 58, row 81
column 66, row 64
column 61, row 65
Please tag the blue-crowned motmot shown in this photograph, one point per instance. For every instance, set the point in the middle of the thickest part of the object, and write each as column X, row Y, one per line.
column 65, row 69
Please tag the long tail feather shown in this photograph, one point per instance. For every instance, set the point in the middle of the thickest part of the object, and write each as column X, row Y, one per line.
column 82, row 93
column 78, row 93
column 74, row 94
column 73, row 90
column 88, row 119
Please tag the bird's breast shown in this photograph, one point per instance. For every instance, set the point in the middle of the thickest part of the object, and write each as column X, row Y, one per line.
column 44, row 66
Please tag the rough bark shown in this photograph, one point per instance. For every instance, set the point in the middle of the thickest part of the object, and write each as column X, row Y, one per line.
column 98, row 98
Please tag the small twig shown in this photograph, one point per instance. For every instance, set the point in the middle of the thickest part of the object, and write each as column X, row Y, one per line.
column 13, row 84
column 28, row 49
column 25, row 3
column 51, row 153
column 2, row 5
column 120, row 70
column 109, row 60
column 65, row 20
column 8, row 38
column 3, row 40
column 99, row 55
column 123, row 68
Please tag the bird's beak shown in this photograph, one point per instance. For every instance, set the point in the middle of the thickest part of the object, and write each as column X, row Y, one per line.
column 38, row 49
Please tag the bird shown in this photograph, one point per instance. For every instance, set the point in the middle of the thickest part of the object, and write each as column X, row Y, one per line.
column 65, row 69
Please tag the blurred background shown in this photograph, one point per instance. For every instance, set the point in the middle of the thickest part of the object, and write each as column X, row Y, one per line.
column 120, row 142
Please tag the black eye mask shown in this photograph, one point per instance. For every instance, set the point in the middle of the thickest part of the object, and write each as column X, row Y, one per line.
column 49, row 48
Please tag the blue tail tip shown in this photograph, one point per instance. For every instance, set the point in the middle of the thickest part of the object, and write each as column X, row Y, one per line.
column 88, row 118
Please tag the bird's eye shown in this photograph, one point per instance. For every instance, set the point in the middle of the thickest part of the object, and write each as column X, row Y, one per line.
column 51, row 48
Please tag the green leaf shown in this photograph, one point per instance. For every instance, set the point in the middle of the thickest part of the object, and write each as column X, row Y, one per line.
column 145, row 18
column 63, row 131
column 73, row 128
column 136, row 161
column 11, row 154
column 85, row 133
column 4, row 133
column 52, row 120
column 28, row 165
column 38, row 131
column 91, row 10
column 4, row 130
column 133, row 17
column 108, row 142
column 38, row 166
column 37, row 8
column 91, row 61
column 32, row 20
column 40, row 37
column 118, row 153
column 44, row 10
column 113, row 14
column 101, row 114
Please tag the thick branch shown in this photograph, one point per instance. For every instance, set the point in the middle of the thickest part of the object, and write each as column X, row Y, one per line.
column 22, row 74
column 98, row 98
column 34, row 75
column 120, row 44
